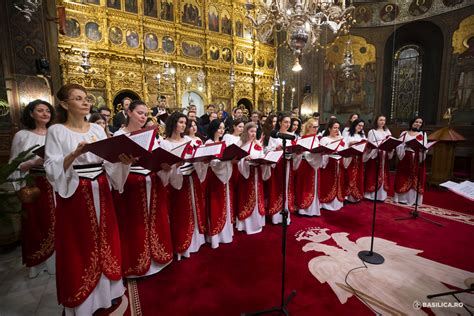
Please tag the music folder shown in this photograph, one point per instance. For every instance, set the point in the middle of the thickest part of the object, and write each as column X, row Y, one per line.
column 271, row 157
column 207, row 151
column 233, row 151
column 417, row 145
column 354, row 150
column 39, row 151
column 388, row 144
column 153, row 161
column 304, row 143
column 136, row 144
column 327, row 149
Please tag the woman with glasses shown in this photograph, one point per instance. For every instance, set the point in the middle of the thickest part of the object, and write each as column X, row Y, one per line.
column 37, row 224
column 306, row 178
column 88, row 259
column 142, row 211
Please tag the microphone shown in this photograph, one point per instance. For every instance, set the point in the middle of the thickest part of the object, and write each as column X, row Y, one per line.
column 277, row 134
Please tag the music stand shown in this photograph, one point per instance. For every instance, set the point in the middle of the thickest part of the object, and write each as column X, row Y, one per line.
column 453, row 293
column 415, row 214
column 370, row 256
column 282, row 308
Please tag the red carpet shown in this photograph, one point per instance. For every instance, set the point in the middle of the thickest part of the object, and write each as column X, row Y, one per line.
column 245, row 275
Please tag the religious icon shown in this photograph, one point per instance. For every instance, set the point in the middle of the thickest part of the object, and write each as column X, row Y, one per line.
column 150, row 9
column 151, row 41
column 191, row 14
column 226, row 23
column 167, row 10
column 114, row 4
column 213, row 18
column 214, row 53
column 227, row 54
column 249, row 58
column 168, row 44
column 260, row 61
column 131, row 6
column 271, row 63
column 92, row 31
column 239, row 57
column 115, row 35
column 191, row 49
column 132, row 39
column 73, row 29
column 363, row 14
column 239, row 28
column 389, row 12
column 247, row 31
column 419, row 7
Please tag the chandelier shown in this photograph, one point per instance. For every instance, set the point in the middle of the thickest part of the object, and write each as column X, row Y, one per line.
column 303, row 20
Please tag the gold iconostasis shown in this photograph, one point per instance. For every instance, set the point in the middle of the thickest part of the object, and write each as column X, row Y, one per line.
column 183, row 49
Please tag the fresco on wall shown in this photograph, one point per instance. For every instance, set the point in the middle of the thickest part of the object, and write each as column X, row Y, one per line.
column 389, row 12
column 150, row 8
column 191, row 14
column 166, row 12
column 343, row 95
column 92, row 31
column 363, row 14
column 419, row 7
column 213, row 18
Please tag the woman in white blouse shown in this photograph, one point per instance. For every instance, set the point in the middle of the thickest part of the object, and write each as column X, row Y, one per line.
column 38, row 222
column 88, row 260
column 354, row 173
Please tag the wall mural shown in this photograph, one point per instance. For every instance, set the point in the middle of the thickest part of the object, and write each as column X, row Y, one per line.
column 389, row 12
column 343, row 95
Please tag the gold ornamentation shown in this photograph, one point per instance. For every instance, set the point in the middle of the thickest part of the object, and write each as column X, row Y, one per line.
column 462, row 35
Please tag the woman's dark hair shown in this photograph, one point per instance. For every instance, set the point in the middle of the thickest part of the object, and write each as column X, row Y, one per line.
column 298, row 130
column 95, row 117
column 133, row 105
column 172, row 122
column 353, row 127
column 267, row 128
column 348, row 123
column 26, row 118
column 212, row 128
column 189, row 125
column 235, row 123
column 280, row 118
column 63, row 95
column 331, row 123
column 413, row 121
column 376, row 122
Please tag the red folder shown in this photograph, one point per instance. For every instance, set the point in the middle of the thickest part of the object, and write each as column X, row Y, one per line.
column 356, row 149
column 270, row 157
column 39, row 151
column 305, row 143
column 233, row 151
column 111, row 148
column 153, row 161
column 388, row 144
column 416, row 145
column 202, row 153
column 327, row 149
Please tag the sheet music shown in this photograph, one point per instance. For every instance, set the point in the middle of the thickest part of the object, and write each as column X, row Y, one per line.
column 359, row 147
column 307, row 142
column 464, row 189
column 273, row 156
column 143, row 139
column 178, row 150
column 333, row 145
column 203, row 151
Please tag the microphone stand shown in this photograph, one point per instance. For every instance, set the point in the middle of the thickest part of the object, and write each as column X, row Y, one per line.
column 282, row 308
column 370, row 256
column 415, row 214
